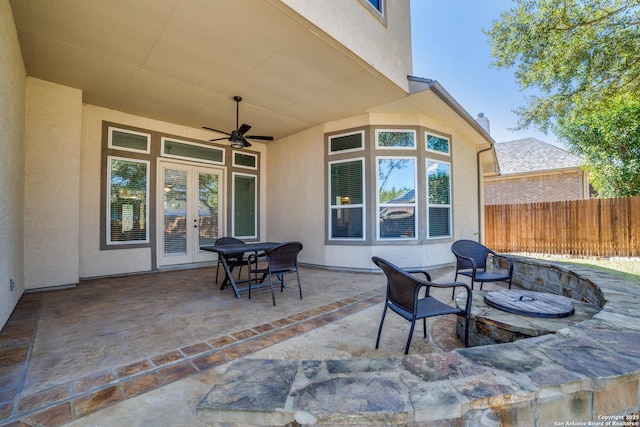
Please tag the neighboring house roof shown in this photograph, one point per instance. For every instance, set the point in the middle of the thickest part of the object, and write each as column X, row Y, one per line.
column 530, row 155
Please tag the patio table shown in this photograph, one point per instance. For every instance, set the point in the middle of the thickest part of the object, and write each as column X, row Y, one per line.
column 224, row 251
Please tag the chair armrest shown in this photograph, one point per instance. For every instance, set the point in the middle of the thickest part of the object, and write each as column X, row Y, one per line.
column 446, row 285
column 418, row 271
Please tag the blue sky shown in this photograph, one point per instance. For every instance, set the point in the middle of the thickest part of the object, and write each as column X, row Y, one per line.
column 450, row 47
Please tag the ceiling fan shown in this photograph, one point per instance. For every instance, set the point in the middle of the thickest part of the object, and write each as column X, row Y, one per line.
column 237, row 137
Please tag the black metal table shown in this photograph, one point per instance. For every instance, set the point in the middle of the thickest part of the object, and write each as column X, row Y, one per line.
column 224, row 251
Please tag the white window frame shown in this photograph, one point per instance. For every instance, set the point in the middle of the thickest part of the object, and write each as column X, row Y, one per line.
column 244, row 153
column 108, row 240
column 193, row 159
column 442, row 153
column 428, row 205
column 350, row 206
column 381, row 12
column 351, row 150
column 233, row 205
column 414, row 205
column 133, row 132
column 385, row 147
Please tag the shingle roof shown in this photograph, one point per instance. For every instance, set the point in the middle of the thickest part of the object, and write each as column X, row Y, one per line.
column 531, row 155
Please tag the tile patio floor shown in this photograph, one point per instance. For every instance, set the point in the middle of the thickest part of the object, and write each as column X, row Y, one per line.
column 138, row 350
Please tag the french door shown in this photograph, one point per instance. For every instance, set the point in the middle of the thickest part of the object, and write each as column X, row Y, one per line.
column 190, row 207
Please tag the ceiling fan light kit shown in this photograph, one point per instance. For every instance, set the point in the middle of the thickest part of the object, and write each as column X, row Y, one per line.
column 237, row 137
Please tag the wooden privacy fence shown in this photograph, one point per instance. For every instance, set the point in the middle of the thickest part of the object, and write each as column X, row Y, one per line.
column 594, row 227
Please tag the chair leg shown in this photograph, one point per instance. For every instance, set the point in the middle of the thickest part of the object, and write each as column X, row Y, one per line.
column 453, row 291
column 413, row 325
column 273, row 296
column 299, row 284
column 466, row 331
column 384, row 312
column 424, row 326
column 217, row 270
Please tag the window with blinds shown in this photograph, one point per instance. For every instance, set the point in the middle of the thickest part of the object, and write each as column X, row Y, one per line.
column 245, row 206
column 128, row 200
column 347, row 142
column 438, row 199
column 346, row 194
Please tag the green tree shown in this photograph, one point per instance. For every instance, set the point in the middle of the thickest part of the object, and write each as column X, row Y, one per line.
column 609, row 140
column 579, row 55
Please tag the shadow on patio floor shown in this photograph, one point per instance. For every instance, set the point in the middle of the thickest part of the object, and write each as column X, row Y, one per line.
column 110, row 346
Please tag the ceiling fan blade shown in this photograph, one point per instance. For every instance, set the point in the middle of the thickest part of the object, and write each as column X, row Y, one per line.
column 246, row 143
column 219, row 139
column 215, row 130
column 244, row 128
column 264, row 138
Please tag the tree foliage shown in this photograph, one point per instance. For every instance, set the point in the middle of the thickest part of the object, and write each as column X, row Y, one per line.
column 609, row 141
column 579, row 55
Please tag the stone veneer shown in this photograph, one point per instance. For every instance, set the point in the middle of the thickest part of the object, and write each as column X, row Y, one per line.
column 584, row 373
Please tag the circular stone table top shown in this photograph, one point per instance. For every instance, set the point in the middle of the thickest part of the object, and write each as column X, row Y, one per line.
column 530, row 303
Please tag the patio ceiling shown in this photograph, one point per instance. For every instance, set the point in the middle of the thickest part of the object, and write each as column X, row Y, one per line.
column 183, row 61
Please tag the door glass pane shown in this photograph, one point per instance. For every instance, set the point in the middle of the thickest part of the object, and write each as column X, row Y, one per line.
column 207, row 208
column 175, row 212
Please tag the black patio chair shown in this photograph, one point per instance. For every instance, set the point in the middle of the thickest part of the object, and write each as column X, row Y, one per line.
column 403, row 299
column 233, row 260
column 471, row 261
column 281, row 260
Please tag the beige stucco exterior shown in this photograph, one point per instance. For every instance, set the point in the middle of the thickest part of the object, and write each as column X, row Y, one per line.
column 12, row 126
column 52, row 178
column 52, row 143
column 383, row 46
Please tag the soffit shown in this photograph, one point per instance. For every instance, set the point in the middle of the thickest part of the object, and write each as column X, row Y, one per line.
column 183, row 61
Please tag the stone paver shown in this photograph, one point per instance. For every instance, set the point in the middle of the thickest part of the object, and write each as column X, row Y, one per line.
column 580, row 374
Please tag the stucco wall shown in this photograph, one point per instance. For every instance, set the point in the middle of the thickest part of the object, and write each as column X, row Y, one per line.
column 296, row 194
column 532, row 189
column 385, row 44
column 52, row 171
column 12, row 110
column 93, row 261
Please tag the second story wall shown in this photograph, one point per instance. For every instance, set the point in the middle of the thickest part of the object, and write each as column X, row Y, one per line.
column 382, row 40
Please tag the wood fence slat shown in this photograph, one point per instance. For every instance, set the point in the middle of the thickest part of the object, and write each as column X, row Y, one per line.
column 594, row 227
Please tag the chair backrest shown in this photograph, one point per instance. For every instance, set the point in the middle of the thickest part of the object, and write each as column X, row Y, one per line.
column 228, row 241
column 402, row 288
column 284, row 256
column 470, row 249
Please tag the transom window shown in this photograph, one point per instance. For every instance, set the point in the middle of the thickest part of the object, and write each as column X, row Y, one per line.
column 436, row 143
column 395, row 139
column 129, row 140
column 346, row 142
column 190, row 150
